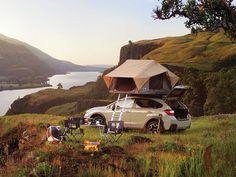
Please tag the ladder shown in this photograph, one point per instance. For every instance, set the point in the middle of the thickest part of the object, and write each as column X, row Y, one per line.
column 118, row 114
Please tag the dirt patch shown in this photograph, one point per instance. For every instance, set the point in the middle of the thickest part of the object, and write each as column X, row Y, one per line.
column 113, row 150
column 9, row 142
column 17, row 142
column 139, row 140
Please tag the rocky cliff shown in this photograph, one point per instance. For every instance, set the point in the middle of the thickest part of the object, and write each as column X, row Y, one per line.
column 136, row 50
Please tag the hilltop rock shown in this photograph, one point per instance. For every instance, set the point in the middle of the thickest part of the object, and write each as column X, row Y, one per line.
column 135, row 51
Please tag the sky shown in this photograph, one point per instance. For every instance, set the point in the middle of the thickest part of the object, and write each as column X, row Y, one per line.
column 84, row 31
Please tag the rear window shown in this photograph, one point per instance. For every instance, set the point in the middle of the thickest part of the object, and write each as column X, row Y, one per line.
column 146, row 103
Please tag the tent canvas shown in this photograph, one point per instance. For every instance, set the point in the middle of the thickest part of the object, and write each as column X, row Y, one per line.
column 140, row 77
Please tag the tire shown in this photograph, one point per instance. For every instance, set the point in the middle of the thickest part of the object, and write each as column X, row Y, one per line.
column 152, row 127
column 99, row 118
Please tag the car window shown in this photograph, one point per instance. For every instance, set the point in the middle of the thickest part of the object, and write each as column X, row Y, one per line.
column 128, row 104
column 146, row 103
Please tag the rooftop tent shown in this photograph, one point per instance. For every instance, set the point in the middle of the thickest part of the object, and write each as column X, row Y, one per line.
column 140, row 77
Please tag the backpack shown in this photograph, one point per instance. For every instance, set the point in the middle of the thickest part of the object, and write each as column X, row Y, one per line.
column 54, row 134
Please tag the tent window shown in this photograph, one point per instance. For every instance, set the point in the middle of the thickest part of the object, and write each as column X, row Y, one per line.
column 125, row 84
column 156, row 82
column 146, row 103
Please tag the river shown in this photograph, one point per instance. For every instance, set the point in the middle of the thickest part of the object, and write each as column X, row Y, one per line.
column 68, row 80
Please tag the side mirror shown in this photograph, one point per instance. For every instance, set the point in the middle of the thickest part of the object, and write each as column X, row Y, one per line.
column 113, row 107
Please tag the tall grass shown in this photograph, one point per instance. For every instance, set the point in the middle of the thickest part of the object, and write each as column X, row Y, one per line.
column 167, row 155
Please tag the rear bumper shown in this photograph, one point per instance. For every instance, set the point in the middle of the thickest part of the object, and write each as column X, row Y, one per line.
column 180, row 124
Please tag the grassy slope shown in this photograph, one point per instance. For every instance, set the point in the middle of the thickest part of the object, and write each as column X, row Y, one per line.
column 65, row 109
column 9, row 122
column 45, row 99
column 52, row 94
column 192, row 50
column 177, row 154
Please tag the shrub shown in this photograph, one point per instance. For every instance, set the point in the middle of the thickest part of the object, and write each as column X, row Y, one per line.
column 11, row 130
column 93, row 172
column 105, row 156
column 171, row 147
column 43, row 156
column 152, row 148
column 21, row 172
column 43, row 169
column 193, row 165
column 40, row 125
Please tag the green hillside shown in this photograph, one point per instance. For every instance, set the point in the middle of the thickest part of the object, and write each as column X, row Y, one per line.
column 206, row 149
column 43, row 100
column 200, row 50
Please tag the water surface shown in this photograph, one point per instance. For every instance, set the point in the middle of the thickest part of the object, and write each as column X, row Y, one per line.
column 68, row 80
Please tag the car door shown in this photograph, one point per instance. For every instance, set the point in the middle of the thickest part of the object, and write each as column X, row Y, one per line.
column 143, row 110
column 109, row 111
column 128, row 104
column 126, row 107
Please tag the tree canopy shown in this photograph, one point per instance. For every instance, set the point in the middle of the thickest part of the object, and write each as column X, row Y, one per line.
column 201, row 15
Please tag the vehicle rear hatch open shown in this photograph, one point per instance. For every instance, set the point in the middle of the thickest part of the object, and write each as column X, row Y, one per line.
column 181, row 111
column 177, row 92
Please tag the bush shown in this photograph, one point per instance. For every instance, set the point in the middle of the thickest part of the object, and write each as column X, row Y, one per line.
column 21, row 172
column 11, row 130
column 171, row 147
column 93, row 172
column 43, row 169
column 43, row 156
column 193, row 165
column 152, row 148
column 40, row 125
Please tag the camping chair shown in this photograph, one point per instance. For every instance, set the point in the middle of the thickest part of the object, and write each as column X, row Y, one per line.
column 72, row 127
column 114, row 131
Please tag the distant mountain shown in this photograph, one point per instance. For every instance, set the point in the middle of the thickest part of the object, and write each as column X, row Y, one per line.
column 19, row 60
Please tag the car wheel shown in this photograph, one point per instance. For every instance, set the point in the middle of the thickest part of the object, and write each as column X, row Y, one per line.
column 99, row 119
column 152, row 127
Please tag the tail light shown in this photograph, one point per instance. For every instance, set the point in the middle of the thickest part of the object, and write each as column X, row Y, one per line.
column 169, row 112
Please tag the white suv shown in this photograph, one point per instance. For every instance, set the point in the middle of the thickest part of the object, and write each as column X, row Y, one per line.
column 148, row 113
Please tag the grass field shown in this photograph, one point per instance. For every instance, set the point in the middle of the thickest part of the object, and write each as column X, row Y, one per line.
column 208, row 148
